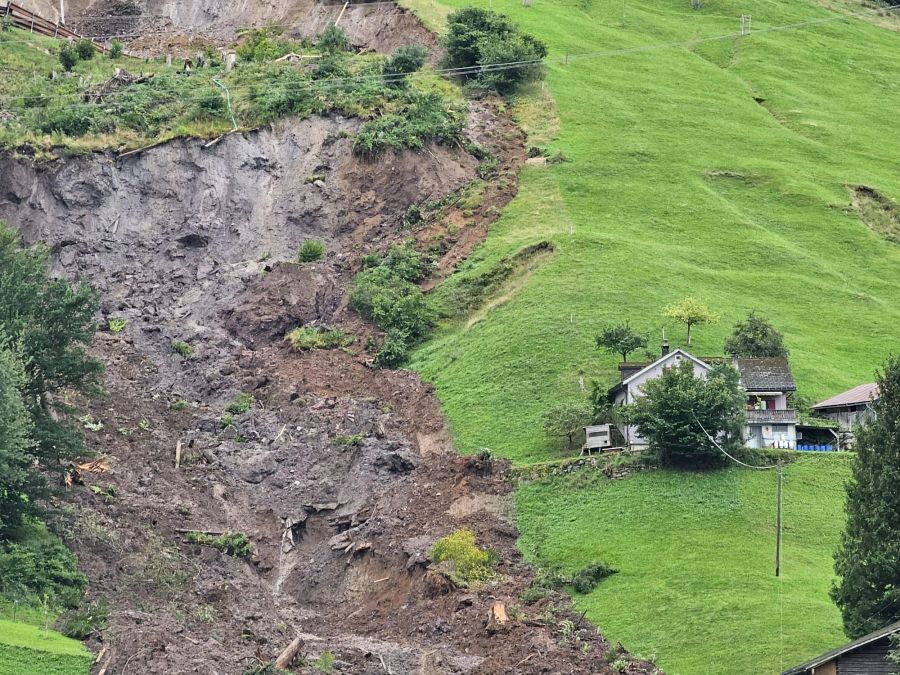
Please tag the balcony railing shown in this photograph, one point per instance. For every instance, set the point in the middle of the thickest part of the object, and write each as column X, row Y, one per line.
column 771, row 416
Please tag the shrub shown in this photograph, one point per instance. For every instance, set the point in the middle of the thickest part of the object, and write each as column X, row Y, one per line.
column 333, row 40
column 115, row 49
column 407, row 59
column 566, row 421
column 312, row 250
column 38, row 565
column 317, row 337
column 586, row 579
column 183, row 349
column 278, row 92
column 235, row 544
column 425, row 119
column 78, row 624
column 85, row 49
column 263, row 44
column 480, row 37
column 74, row 120
column 469, row 564
column 330, row 67
column 241, row 404
column 68, row 55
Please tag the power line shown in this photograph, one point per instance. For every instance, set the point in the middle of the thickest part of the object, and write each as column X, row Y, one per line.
column 489, row 68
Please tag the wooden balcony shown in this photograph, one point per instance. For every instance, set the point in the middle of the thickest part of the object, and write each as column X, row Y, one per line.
column 771, row 417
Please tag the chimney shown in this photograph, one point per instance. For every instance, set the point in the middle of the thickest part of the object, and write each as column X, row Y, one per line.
column 664, row 345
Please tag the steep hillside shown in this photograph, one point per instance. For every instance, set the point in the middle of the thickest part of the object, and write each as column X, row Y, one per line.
column 695, row 554
column 721, row 169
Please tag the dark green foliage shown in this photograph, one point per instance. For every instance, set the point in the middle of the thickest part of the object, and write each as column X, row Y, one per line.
column 80, row 623
column 424, row 119
column 755, row 337
column 209, row 104
column 85, row 49
column 115, row 49
column 385, row 294
column 68, row 55
column 331, row 67
column 565, row 422
column 17, row 478
column 674, row 406
column 483, row 39
column 264, row 44
column 235, row 544
column 37, row 564
column 333, row 40
column 588, row 577
column 280, row 92
column 74, row 121
column 868, row 592
column 407, row 59
column 311, row 250
column 621, row 339
column 53, row 322
column 241, row 404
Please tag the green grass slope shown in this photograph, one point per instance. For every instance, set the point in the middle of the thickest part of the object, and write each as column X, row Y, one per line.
column 715, row 169
column 695, row 554
column 27, row 650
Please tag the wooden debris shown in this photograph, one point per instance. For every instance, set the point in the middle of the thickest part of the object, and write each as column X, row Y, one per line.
column 178, row 454
column 290, row 652
column 100, row 465
column 497, row 617
column 211, row 533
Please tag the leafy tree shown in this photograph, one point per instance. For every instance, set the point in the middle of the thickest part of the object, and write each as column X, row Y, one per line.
column 482, row 38
column 868, row 592
column 677, row 403
column 116, row 49
column 68, row 55
column 567, row 420
column 334, row 40
column 691, row 313
column 53, row 322
column 407, row 59
column 621, row 339
column 755, row 337
column 17, row 476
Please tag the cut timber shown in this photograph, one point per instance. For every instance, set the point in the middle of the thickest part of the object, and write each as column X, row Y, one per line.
column 289, row 654
column 497, row 617
column 178, row 454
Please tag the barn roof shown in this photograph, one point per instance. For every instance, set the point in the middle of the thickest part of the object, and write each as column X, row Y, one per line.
column 863, row 393
column 840, row 651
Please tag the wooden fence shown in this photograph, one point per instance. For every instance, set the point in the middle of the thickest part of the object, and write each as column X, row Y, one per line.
column 28, row 20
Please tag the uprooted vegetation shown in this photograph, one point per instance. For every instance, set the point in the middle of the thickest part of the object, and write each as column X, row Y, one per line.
column 879, row 212
column 468, row 564
column 97, row 103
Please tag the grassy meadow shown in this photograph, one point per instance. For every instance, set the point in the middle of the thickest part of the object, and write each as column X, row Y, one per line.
column 28, row 650
column 717, row 169
column 695, row 554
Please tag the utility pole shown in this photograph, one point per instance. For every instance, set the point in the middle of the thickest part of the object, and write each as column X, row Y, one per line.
column 778, row 526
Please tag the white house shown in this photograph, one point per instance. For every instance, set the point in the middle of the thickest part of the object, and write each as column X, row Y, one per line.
column 767, row 381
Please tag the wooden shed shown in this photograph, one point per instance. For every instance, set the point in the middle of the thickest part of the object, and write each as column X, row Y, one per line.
column 865, row 656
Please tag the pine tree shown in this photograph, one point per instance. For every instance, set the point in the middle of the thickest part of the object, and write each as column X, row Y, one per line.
column 868, row 559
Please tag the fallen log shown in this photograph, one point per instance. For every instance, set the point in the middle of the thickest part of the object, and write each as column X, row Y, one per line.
column 289, row 654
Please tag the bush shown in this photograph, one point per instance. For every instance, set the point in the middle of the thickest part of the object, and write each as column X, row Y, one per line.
column 278, row 92
column 85, row 49
column 235, row 544
column 37, row 564
column 329, row 68
column 78, row 624
column 115, row 49
column 407, row 59
column 480, row 37
column 68, row 55
column 469, row 564
column 312, row 250
column 586, row 579
column 183, row 349
column 425, row 119
column 333, row 40
column 317, row 337
column 264, row 44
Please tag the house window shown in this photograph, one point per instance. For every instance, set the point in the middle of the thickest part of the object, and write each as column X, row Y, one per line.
column 779, row 428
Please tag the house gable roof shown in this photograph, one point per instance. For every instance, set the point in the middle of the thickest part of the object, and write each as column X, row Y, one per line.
column 863, row 393
column 661, row 360
column 840, row 651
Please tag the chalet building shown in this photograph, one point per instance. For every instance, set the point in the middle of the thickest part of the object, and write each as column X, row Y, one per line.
column 771, row 423
column 865, row 656
column 850, row 408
